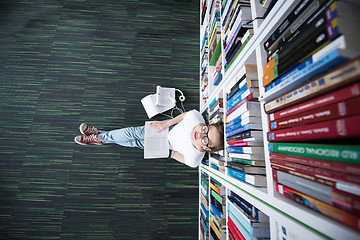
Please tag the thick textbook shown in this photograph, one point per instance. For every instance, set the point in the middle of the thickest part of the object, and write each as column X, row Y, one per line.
column 319, row 206
column 320, row 191
column 334, row 54
column 338, row 128
column 331, row 152
column 341, row 94
column 318, row 163
column 341, row 109
column 345, row 182
column 340, row 76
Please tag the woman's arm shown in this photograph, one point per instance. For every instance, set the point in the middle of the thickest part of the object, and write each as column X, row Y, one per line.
column 177, row 156
column 161, row 125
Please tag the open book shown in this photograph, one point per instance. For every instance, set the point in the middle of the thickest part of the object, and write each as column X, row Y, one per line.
column 156, row 144
column 163, row 100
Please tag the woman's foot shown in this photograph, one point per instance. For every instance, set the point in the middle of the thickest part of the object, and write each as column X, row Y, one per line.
column 87, row 139
column 88, row 130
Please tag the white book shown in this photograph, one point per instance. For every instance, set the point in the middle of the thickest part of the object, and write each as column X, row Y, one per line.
column 156, row 144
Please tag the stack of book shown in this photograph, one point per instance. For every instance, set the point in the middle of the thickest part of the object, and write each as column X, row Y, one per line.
column 217, row 210
column 245, row 221
column 314, row 133
column 217, row 161
column 236, row 29
column 315, row 37
column 204, row 67
column 204, row 206
column 216, row 110
column 215, row 58
column 244, row 129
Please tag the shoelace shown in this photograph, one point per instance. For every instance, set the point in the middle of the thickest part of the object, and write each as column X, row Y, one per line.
column 90, row 130
column 90, row 139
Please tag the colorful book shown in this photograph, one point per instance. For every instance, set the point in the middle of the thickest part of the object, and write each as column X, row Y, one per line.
column 327, row 58
column 341, row 94
column 340, row 76
column 250, row 135
column 319, row 163
column 242, row 93
column 319, row 206
column 256, row 229
column 338, row 128
column 344, row 182
column 318, row 190
column 330, row 152
column 346, row 108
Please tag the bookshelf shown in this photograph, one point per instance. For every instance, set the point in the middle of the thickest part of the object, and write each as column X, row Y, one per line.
column 287, row 219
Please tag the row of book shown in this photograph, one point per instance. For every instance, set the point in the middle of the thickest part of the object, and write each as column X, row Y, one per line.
column 217, row 210
column 315, row 37
column 312, row 112
column 237, row 28
column 204, row 205
column 244, row 220
column 244, row 136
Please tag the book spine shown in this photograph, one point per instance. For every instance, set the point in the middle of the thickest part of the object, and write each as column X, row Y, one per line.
column 293, row 15
column 346, row 108
column 325, row 209
column 338, row 128
column 319, row 163
column 305, row 71
column 330, row 178
column 344, row 74
column 342, row 153
column 235, row 230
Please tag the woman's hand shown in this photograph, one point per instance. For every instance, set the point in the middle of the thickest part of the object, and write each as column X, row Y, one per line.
column 160, row 125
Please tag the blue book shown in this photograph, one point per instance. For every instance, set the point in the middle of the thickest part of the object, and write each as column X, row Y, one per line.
column 205, row 211
column 248, row 229
column 307, row 69
column 256, row 180
column 254, row 126
column 218, row 79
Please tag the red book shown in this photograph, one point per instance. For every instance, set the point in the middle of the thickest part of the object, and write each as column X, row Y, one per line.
column 331, row 165
column 341, row 199
column 319, row 206
column 249, row 97
column 342, row 94
column 346, row 108
column 338, row 128
column 327, row 177
column 234, row 230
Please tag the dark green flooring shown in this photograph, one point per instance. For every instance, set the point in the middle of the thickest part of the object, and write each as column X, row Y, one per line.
column 68, row 61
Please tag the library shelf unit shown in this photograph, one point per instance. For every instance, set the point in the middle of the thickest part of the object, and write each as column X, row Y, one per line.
column 287, row 219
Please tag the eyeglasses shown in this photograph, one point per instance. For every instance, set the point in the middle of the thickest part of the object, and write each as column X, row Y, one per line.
column 205, row 139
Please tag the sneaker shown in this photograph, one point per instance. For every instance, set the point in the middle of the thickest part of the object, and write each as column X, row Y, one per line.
column 88, row 130
column 87, row 139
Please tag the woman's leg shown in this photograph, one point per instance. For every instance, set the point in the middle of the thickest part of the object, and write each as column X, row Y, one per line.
column 127, row 137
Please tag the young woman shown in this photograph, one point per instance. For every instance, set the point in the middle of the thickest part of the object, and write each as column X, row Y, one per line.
column 189, row 137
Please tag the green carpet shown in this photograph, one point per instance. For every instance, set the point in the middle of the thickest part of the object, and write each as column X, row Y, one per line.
column 63, row 62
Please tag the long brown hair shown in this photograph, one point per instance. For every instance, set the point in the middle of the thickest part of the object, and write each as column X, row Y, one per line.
column 220, row 128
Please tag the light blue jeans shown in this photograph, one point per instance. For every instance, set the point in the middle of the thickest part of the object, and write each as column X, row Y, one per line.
column 126, row 137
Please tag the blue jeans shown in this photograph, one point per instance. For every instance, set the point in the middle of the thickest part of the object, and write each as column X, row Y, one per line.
column 126, row 137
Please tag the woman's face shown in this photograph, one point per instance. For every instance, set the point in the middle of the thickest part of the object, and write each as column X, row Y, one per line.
column 205, row 137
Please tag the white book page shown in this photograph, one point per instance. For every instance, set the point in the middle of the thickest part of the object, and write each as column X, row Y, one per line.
column 156, row 144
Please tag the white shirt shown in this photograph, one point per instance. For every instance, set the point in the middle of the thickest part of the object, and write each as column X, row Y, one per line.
column 180, row 138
